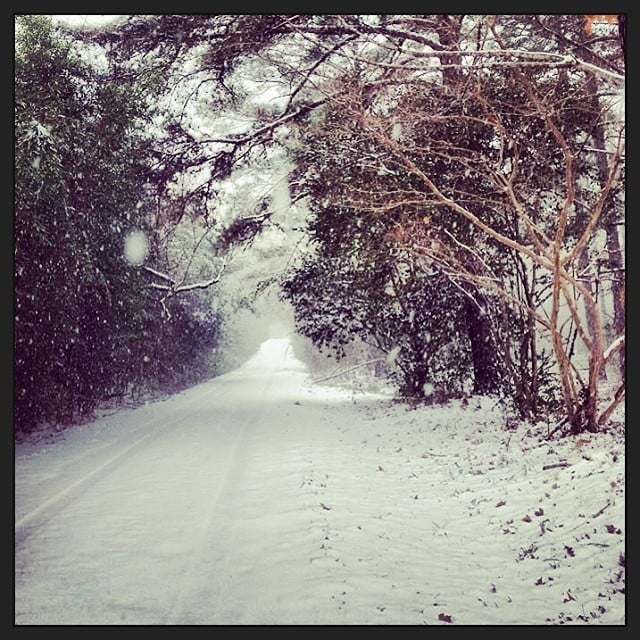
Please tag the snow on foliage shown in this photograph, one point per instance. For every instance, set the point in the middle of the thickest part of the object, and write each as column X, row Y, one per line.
column 393, row 354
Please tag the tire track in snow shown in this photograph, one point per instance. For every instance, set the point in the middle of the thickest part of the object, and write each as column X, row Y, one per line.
column 234, row 464
column 46, row 510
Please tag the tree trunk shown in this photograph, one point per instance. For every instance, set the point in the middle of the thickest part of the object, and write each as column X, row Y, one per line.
column 614, row 250
column 487, row 375
column 486, row 372
column 588, row 280
column 448, row 29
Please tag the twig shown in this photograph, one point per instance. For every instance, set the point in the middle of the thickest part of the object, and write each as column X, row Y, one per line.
column 599, row 513
column 556, row 465
column 242, row 139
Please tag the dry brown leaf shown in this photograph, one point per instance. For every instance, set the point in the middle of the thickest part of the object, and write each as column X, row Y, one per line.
column 590, row 19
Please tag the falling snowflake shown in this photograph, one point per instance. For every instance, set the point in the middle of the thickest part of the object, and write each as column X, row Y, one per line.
column 136, row 247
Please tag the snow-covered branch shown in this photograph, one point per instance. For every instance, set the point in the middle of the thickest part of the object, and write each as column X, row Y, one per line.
column 174, row 287
column 158, row 274
column 618, row 343
column 268, row 127
column 199, row 285
column 345, row 371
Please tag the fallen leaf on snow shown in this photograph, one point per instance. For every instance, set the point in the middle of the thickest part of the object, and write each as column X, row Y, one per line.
column 445, row 617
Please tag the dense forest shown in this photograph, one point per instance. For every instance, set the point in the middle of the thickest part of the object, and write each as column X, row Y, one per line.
column 453, row 187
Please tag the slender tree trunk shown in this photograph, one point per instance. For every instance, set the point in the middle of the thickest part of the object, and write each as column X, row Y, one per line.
column 486, row 370
column 587, row 279
column 448, row 28
column 614, row 250
column 487, row 374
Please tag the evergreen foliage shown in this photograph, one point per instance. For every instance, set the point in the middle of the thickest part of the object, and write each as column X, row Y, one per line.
column 86, row 322
column 460, row 172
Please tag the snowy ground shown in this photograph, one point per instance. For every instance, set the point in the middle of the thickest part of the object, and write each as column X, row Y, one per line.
column 259, row 498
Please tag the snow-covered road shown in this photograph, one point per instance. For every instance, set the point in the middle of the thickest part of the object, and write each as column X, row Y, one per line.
column 259, row 498
column 181, row 516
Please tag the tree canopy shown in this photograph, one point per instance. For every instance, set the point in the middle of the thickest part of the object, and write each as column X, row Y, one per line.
column 462, row 177
column 85, row 328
